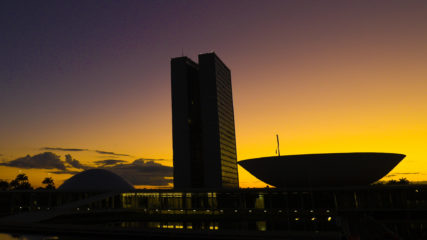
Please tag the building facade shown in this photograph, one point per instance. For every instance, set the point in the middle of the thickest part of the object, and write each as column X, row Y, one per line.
column 204, row 142
column 367, row 212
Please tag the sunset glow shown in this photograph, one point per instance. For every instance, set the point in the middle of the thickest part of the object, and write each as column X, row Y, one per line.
column 326, row 76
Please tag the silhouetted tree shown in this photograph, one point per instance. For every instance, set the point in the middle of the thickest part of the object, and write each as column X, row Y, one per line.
column 392, row 182
column 378, row 183
column 398, row 182
column 21, row 183
column 49, row 183
column 4, row 185
column 403, row 181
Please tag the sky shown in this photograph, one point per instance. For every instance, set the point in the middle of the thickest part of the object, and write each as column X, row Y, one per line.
column 86, row 84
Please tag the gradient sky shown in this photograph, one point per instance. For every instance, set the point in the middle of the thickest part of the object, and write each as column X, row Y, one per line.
column 327, row 76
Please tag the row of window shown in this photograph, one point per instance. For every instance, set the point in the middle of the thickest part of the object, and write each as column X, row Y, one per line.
column 225, row 101
column 227, row 149
column 225, row 118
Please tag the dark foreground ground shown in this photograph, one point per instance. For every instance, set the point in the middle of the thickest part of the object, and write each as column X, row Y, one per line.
column 77, row 232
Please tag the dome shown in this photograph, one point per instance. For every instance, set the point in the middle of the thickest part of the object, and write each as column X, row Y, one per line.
column 322, row 170
column 96, row 180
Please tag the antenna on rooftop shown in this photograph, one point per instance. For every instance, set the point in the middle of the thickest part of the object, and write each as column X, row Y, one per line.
column 278, row 146
column 182, row 52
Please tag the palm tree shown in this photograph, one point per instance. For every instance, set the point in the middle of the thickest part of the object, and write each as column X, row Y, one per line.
column 49, row 183
column 403, row 181
column 398, row 182
column 21, row 183
column 22, row 177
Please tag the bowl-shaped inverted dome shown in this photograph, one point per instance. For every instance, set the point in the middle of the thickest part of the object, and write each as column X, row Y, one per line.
column 96, row 180
column 322, row 170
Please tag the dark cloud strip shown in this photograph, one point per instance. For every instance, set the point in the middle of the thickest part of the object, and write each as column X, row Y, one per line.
column 112, row 153
column 406, row 173
column 64, row 149
column 109, row 162
column 65, row 172
column 84, row 150
column 153, row 159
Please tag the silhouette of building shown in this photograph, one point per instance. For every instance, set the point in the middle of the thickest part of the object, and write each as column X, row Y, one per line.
column 322, row 170
column 96, row 180
column 204, row 142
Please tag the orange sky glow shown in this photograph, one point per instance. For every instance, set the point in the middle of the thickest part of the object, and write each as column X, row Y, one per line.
column 348, row 79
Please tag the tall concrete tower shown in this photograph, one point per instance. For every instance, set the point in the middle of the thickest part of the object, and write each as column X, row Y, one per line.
column 204, row 140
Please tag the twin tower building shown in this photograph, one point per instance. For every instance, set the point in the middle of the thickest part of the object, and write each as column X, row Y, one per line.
column 204, row 140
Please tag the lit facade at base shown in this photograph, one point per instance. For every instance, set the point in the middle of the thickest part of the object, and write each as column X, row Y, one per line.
column 342, row 212
column 204, row 142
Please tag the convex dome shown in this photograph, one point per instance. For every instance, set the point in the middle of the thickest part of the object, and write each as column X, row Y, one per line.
column 96, row 180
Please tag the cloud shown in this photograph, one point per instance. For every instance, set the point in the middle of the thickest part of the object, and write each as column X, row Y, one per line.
column 399, row 174
column 153, row 159
column 109, row 162
column 112, row 153
column 64, row 149
column 406, row 173
column 141, row 172
column 46, row 160
column 75, row 163
column 65, row 172
column 84, row 150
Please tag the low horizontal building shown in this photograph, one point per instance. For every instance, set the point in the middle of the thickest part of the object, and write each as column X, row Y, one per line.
column 380, row 210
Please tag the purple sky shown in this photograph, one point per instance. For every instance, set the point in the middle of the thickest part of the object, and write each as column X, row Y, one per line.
column 95, row 75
